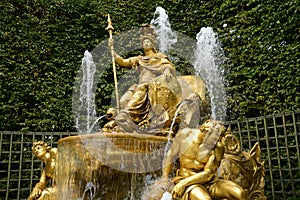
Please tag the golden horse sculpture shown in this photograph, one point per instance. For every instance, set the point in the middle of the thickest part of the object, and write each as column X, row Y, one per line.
column 160, row 97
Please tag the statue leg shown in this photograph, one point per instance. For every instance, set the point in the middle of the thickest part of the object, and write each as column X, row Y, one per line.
column 225, row 189
column 127, row 96
column 199, row 193
column 136, row 110
column 137, row 106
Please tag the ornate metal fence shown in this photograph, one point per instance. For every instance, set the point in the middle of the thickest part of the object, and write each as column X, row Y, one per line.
column 278, row 135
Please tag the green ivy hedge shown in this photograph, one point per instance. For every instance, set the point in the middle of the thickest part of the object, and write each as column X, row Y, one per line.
column 43, row 41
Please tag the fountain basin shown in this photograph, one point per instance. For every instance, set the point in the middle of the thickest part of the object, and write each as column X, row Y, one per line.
column 107, row 165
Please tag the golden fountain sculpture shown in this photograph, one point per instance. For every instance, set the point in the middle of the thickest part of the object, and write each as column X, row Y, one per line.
column 203, row 162
column 150, row 106
column 202, row 153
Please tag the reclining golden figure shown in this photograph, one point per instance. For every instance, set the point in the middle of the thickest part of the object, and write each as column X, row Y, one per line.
column 200, row 153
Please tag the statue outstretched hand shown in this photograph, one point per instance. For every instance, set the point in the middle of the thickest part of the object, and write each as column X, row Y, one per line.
column 178, row 190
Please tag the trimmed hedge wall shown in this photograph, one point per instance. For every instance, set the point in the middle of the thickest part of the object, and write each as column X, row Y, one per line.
column 42, row 44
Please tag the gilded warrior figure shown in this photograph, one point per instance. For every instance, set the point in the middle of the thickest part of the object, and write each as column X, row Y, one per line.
column 150, row 106
column 154, row 70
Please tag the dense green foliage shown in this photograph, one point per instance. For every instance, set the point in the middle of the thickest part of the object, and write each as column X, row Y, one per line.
column 42, row 44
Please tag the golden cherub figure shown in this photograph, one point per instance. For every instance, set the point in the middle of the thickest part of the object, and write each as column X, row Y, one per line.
column 48, row 155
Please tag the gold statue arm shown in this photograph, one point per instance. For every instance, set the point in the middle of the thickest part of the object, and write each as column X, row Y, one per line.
column 210, row 168
column 201, row 177
column 169, row 67
column 128, row 63
column 39, row 187
column 166, row 61
column 43, row 180
column 172, row 153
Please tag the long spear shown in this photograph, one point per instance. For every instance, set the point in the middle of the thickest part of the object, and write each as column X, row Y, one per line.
column 110, row 29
